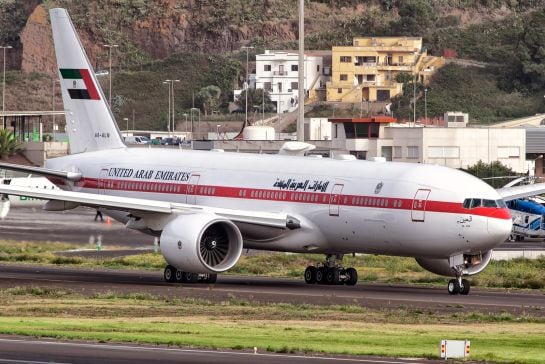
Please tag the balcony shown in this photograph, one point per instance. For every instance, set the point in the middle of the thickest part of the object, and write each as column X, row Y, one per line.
column 280, row 73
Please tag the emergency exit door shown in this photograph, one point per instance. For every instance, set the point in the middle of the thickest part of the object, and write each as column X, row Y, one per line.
column 335, row 199
column 418, row 212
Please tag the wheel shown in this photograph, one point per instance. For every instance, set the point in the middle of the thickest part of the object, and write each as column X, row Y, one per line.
column 211, row 278
column 465, row 287
column 189, row 277
column 320, row 275
column 453, row 286
column 170, row 274
column 179, row 276
column 310, row 274
column 332, row 276
column 352, row 277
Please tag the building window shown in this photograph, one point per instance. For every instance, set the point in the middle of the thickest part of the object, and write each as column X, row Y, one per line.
column 294, row 67
column 295, row 85
column 400, row 60
column 362, row 130
column 279, row 86
column 374, row 130
column 346, row 59
column 412, row 152
column 267, row 68
column 317, row 68
column 268, row 86
column 370, row 78
column 443, row 152
column 343, row 77
column 397, row 152
column 339, row 90
column 349, row 131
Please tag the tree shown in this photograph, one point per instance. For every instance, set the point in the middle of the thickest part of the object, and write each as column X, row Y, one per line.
column 8, row 144
column 416, row 17
column 256, row 98
column 531, row 52
column 208, row 98
column 492, row 173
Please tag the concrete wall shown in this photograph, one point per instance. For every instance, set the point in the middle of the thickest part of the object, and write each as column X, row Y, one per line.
column 38, row 152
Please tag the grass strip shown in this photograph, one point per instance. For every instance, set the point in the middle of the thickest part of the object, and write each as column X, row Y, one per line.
column 500, row 342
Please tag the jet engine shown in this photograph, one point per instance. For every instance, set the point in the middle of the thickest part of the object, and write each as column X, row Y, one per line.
column 4, row 206
column 201, row 243
column 473, row 264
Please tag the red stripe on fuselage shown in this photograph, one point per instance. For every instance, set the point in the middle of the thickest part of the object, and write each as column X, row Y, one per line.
column 89, row 84
column 319, row 198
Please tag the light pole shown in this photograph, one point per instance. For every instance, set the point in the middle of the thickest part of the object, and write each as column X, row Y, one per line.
column 110, row 46
column 54, row 96
column 218, row 132
column 426, row 105
column 185, row 116
column 167, row 82
column 198, row 123
column 4, row 86
column 127, row 132
column 247, row 84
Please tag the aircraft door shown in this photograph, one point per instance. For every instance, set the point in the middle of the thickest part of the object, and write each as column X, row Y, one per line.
column 419, row 205
column 334, row 199
column 192, row 184
column 102, row 180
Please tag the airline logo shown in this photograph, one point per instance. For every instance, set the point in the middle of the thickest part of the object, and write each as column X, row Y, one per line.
column 81, row 85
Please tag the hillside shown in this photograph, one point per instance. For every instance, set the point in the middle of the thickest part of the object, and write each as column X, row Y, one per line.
column 199, row 43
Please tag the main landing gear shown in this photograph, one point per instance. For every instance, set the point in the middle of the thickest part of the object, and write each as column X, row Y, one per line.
column 174, row 275
column 331, row 272
column 458, row 286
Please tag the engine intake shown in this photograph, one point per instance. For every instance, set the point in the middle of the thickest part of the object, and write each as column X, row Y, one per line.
column 201, row 243
column 473, row 264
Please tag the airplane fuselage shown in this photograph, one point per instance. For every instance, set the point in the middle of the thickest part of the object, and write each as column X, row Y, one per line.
column 345, row 206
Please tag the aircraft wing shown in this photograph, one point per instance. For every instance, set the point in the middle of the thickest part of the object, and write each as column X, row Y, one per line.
column 71, row 176
column 138, row 206
column 514, row 192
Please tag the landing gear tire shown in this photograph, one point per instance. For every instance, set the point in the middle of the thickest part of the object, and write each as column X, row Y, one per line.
column 352, row 277
column 179, row 276
column 332, row 276
column 453, row 287
column 170, row 274
column 320, row 275
column 190, row 277
column 464, row 289
column 310, row 274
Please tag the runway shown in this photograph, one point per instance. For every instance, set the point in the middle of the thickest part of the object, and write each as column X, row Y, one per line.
column 32, row 351
column 72, row 226
column 274, row 290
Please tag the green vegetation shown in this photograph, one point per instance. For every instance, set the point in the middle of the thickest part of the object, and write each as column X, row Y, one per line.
column 8, row 144
column 492, row 173
column 240, row 324
column 517, row 273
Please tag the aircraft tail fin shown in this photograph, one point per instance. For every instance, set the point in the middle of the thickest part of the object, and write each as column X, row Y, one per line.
column 90, row 123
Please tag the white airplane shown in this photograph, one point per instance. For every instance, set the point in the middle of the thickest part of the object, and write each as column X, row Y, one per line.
column 39, row 183
column 206, row 207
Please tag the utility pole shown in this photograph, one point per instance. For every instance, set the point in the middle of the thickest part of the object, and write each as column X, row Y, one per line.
column 167, row 82
column 301, row 68
column 110, row 46
column 4, row 87
column 247, row 84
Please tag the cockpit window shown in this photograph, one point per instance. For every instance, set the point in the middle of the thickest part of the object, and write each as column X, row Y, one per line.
column 471, row 203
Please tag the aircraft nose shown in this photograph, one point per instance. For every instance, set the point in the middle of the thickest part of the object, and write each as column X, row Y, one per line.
column 499, row 230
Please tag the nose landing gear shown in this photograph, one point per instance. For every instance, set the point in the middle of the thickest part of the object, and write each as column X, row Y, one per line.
column 331, row 272
column 458, row 286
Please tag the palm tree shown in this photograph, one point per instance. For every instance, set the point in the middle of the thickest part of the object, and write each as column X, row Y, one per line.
column 9, row 145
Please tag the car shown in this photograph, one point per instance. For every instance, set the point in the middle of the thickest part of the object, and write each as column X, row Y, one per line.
column 170, row 141
column 137, row 140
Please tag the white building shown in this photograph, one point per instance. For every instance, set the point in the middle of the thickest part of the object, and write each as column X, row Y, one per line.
column 455, row 147
column 278, row 73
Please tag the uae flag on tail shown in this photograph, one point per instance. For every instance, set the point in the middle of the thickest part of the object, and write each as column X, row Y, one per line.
column 80, row 84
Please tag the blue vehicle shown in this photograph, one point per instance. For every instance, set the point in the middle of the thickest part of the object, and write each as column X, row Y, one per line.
column 528, row 219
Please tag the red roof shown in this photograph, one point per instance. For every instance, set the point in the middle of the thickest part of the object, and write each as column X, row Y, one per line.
column 371, row 119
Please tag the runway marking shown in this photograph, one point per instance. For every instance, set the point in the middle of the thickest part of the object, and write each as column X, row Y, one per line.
column 29, row 361
column 179, row 350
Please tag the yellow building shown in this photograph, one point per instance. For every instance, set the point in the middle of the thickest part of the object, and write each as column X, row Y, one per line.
column 367, row 70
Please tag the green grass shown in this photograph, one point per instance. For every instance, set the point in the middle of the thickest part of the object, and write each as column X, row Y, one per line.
column 516, row 273
column 239, row 324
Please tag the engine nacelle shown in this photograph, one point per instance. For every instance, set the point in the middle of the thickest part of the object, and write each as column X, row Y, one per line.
column 473, row 264
column 4, row 206
column 201, row 243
